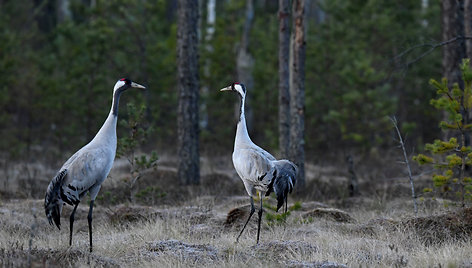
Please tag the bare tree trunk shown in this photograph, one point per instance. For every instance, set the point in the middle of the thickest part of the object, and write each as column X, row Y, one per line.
column 353, row 181
column 468, row 27
column 188, row 80
column 284, row 78
column 407, row 163
column 210, row 30
column 454, row 13
column 245, row 61
column 452, row 26
column 297, row 90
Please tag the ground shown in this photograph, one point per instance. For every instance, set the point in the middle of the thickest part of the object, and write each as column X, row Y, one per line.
column 181, row 226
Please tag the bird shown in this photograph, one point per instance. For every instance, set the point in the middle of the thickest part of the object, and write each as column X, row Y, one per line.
column 260, row 172
column 86, row 170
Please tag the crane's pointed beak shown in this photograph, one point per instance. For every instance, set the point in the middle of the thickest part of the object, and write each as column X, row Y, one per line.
column 228, row 88
column 136, row 85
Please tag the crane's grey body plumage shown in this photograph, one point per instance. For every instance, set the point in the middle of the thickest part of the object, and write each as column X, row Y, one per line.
column 257, row 168
column 85, row 171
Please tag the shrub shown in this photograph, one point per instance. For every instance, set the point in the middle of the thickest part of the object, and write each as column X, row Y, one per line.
column 452, row 157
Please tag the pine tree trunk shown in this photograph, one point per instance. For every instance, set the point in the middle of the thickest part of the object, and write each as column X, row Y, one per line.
column 353, row 187
column 188, row 80
column 284, row 78
column 468, row 27
column 452, row 13
column 297, row 91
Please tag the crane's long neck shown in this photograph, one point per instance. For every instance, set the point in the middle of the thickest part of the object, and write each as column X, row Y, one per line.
column 242, row 136
column 107, row 133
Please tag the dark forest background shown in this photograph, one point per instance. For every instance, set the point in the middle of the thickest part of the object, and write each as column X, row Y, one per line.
column 366, row 60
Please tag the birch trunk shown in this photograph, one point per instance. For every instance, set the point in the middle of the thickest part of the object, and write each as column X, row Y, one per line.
column 210, row 30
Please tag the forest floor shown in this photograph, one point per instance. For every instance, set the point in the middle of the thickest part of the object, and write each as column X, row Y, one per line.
column 181, row 226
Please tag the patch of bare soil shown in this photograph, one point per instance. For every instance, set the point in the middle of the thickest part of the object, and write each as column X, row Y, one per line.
column 283, row 252
column 316, row 264
column 19, row 257
column 284, row 249
column 194, row 253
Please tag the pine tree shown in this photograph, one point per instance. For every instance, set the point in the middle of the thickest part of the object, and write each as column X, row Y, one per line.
column 452, row 157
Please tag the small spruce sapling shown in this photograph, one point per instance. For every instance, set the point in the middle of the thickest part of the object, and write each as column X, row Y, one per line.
column 274, row 218
column 451, row 157
column 128, row 145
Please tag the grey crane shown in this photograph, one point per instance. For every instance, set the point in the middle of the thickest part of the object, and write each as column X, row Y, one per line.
column 86, row 170
column 258, row 169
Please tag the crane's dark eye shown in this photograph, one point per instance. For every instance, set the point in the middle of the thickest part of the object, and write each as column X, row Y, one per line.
column 233, row 85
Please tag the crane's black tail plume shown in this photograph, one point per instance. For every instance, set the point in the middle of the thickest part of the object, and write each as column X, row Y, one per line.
column 53, row 202
column 285, row 178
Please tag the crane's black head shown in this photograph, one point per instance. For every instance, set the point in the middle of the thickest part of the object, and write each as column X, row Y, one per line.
column 236, row 87
column 125, row 83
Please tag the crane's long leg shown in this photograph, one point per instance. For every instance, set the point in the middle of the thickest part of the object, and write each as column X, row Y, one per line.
column 89, row 218
column 253, row 209
column 260, row 218
column 286, row 205
column 72, row 223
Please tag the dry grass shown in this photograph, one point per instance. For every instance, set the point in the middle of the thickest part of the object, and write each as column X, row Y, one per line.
column 189, row 227
column 194, row 235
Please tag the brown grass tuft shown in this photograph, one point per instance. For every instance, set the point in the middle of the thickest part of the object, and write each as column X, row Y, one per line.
column 237, row 215
column 441, row 228
column 329, row 213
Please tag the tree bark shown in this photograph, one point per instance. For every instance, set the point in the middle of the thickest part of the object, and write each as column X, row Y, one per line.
column 297, row 91
column 452, row 13
column 353, row 187
column 284, row 78
column 188, row 87
column 468, row 27
column 454, row 24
